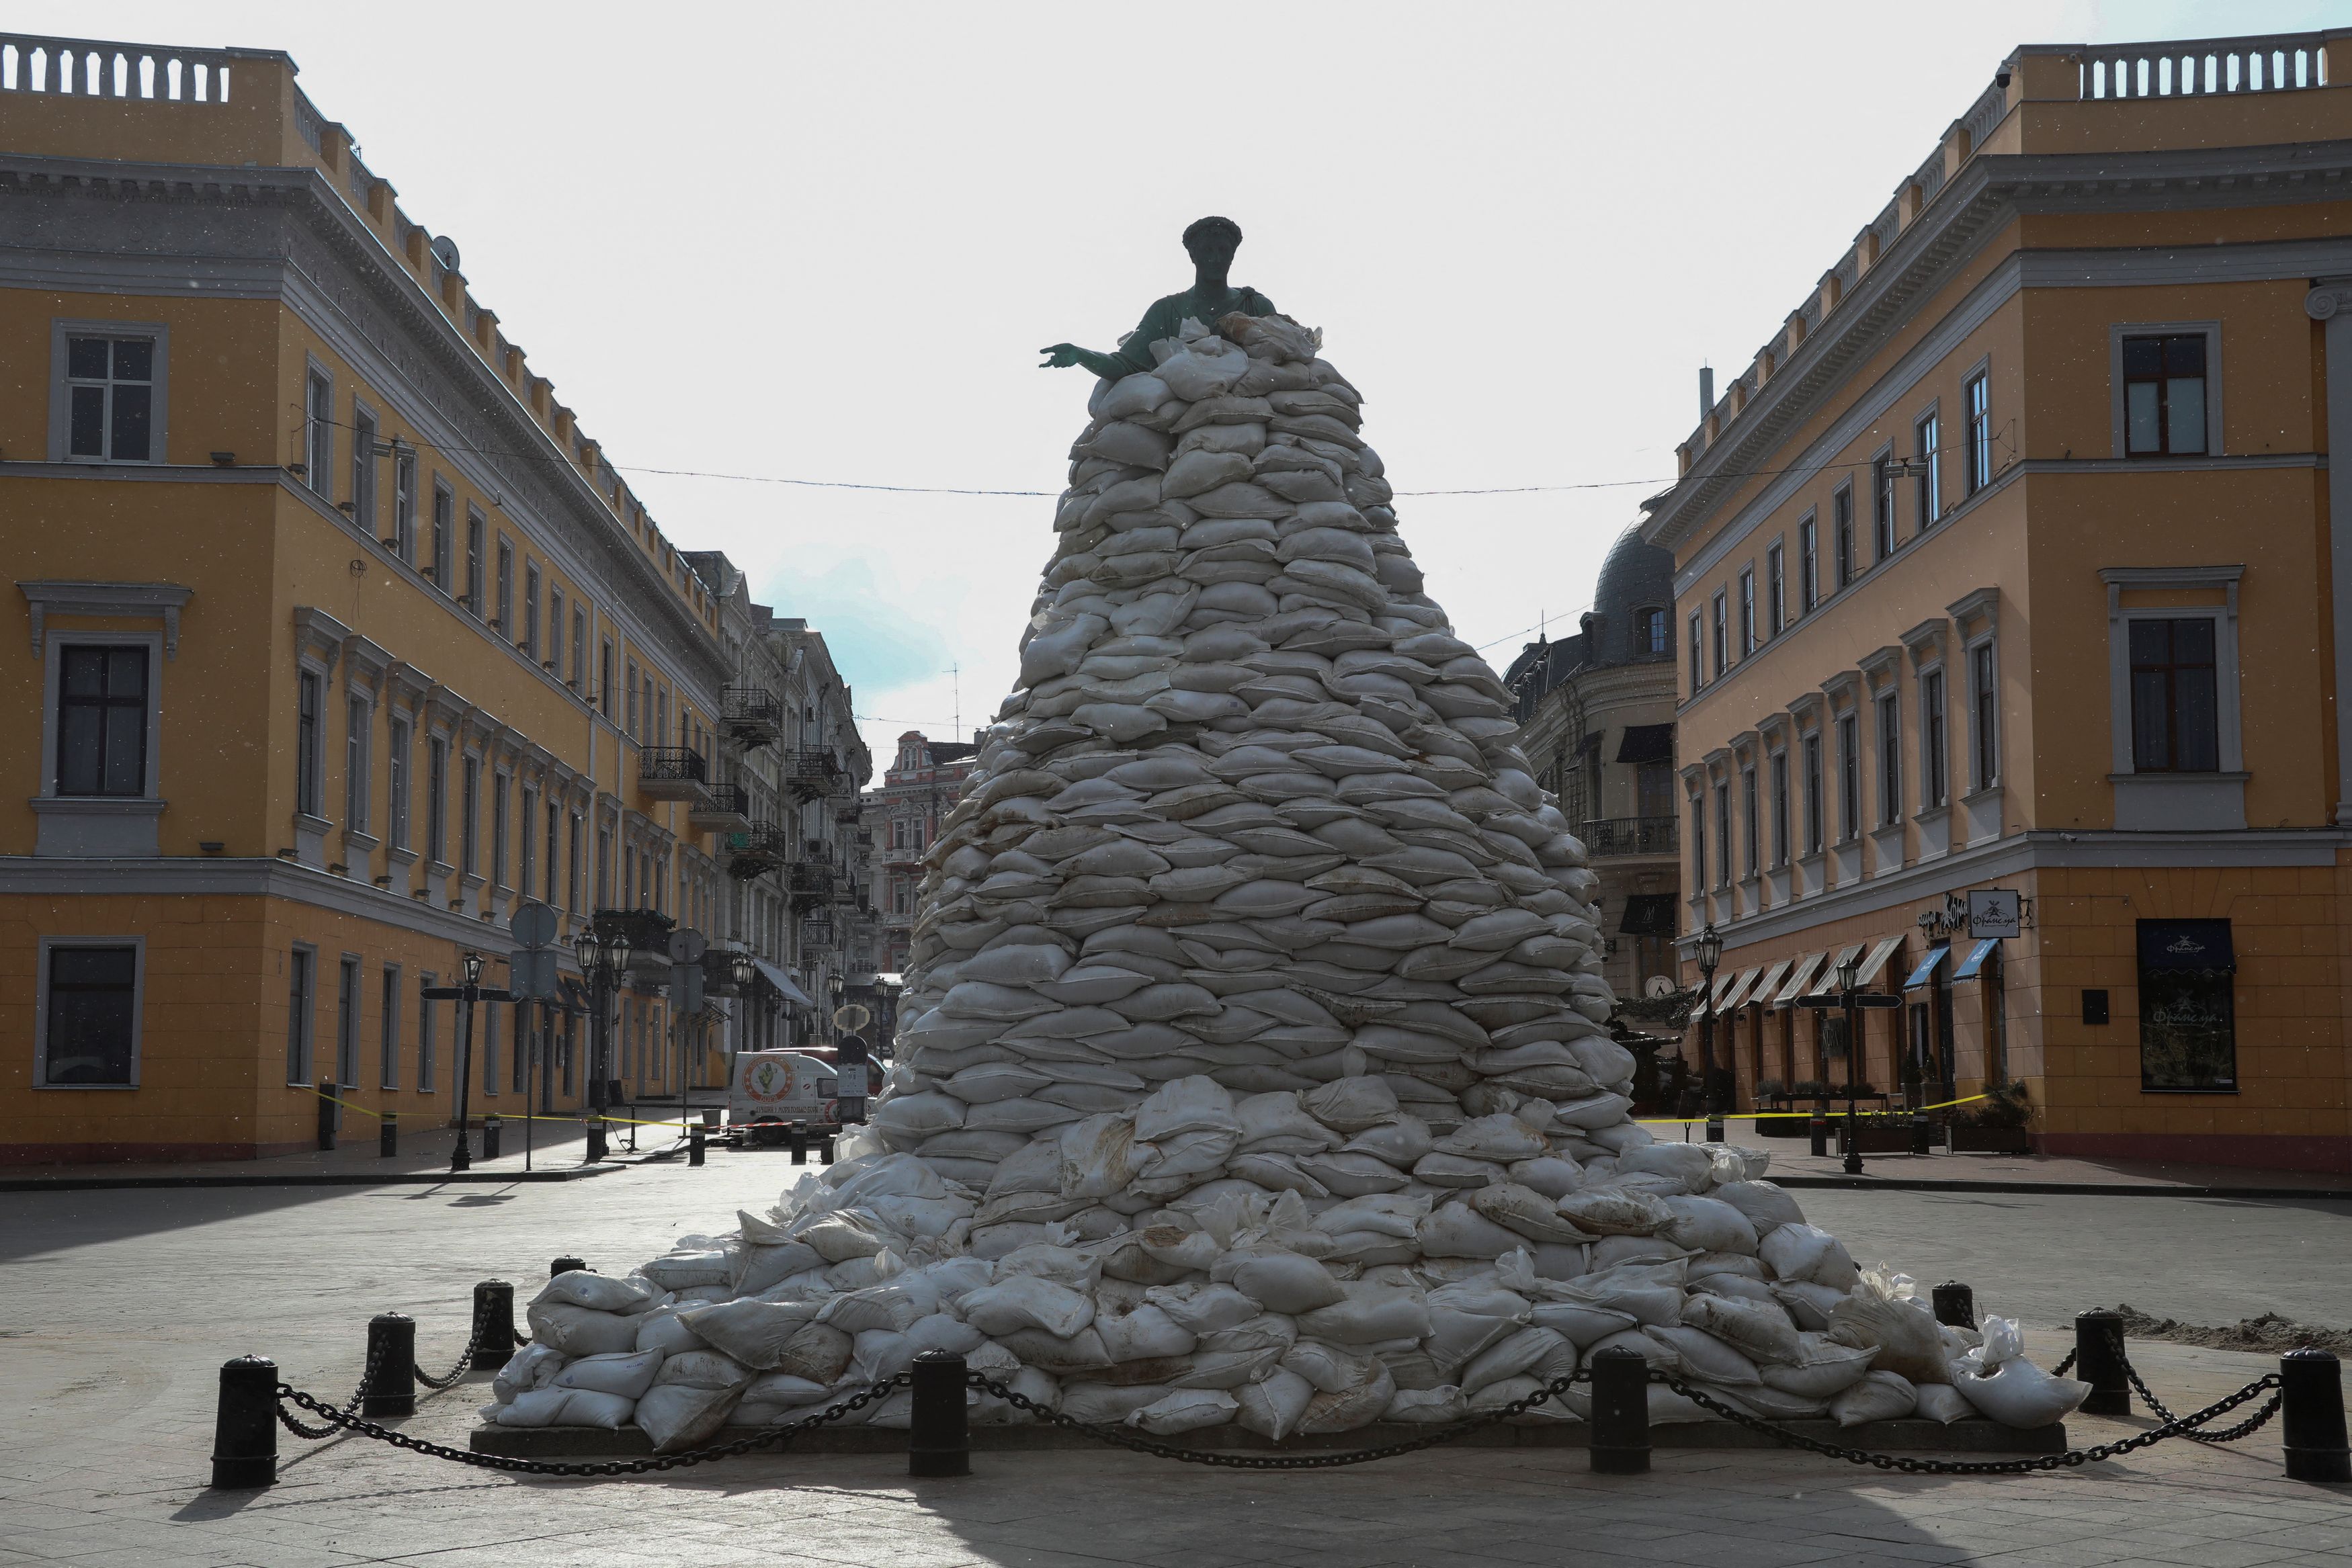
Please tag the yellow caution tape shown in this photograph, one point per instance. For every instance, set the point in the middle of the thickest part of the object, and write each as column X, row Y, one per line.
column 575, row 1121
column 1797, row 1115
column 347, row 1106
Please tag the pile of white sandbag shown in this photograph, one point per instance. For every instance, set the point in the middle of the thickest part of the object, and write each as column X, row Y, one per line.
column 1252, row 1065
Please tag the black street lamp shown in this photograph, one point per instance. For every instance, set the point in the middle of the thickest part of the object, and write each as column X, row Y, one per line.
column 465, row 997
column 603, row 963
column 1849, row 1001
column 1707, row 947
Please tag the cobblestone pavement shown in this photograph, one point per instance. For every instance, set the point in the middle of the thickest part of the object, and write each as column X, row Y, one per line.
column 117, row 1308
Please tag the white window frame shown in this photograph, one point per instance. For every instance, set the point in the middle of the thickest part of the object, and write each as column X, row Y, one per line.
column 1809, row 563
column 1979, row 374
column 2229, row 717
column 1930, row 484
column 1988, row 643
column 364, row 426
column 1933, row 671
column 359, row 760
column 53, row 675
column 1887, row 716
column 313, row 782
column 1854, row 804
column 351, row 1014
column 2119, row 436
column 403, row 503
column 138, row 945
column 399, row 748
column 1697, row 656
column 318, row 434
column 1784, row 828
column 61, row 396
column 388, row 985
column 1748, row 640
column 1719, row 629
column 306, row 1023
column 429, row 1043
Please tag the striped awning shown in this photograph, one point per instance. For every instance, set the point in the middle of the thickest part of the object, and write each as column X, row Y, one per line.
column 1876, row 961
column 1731, row 998
column 1798, row 979
column 1829, row 967
column 1762, row 995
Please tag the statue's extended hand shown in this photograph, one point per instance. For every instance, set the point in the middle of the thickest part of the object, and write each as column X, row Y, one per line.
column 1060, row 356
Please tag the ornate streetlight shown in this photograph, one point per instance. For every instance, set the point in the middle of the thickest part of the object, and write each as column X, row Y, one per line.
column 1707, row 947
column 603, row 964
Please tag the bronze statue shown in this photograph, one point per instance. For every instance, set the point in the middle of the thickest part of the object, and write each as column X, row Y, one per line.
column 1211, row 242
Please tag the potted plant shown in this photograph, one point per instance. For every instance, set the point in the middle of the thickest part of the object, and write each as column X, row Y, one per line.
column 1995, row 1125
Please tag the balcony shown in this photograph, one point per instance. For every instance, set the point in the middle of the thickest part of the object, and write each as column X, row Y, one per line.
column 751, row 715
column 813, row 774
column 724, row 809
column 756, row 850
column 1616, row 836
column 672, row 773
column 811, row 883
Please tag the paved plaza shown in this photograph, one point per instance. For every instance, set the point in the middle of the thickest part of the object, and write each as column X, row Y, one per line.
column 120, row 1306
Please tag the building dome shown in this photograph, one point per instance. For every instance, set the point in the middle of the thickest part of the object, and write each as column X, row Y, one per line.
column 1633, row 604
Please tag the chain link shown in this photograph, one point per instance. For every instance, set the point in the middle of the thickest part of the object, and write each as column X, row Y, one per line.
column 464, row 1360
column 367, row 1381
column 2247, row 1427
column 2065, row 1366
column 779, row 1435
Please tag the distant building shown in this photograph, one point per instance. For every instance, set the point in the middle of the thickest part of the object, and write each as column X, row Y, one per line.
column 919, row 789
column 1597, row 717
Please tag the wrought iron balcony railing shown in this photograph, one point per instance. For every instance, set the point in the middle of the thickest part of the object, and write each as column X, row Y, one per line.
column 752, row 715
column 757, row 851
column 1630, row 836
column 671, row 773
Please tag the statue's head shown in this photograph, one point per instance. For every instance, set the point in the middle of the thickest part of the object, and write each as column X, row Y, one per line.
column 1214, row 240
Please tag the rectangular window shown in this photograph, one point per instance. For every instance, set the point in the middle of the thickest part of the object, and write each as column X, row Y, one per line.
column 110, row 399
column 403, row 503
column 477, row 527
column 1723, row 836
column 469, row 816
column 396, row 781
column 2175, row 711
column 554, row 660
column 388, row 1030
column 1978, row 398
column 1890, row 761
column 661, row 735
column 437, row 802
column 445, row 537
column 1926, row 447
column 505, row 620
column 530, row 610
column 1849, row 776
column 1842, row 537
column 307, row 760
column 318, row 436
column 1720, row 629
column 604, row 868
column 498, row 784
column 547, row 863
column 90, row 1030
column 1807, row 565
column 489, row 1048
column 1935, row 781
column 1815, row 827
column 1748, row 821
column 572, row 874
column 2163, row 395
column 1881, row 507
column 1984, row 694
column 363, row 468
column 102, row 721
column 578, row 646
column 2188, row 1011
column 1697, row 669
column 301, row 998
column 1698, row 841
column 1776, row 594
column 629, row 724
column 347, row 1023
column 1779, row 808
column 355, row 765
column 604, row 680
column 1747, row 612
column 428, row 1064
column 528, row 820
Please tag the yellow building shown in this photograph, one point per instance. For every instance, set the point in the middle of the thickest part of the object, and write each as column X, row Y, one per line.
column 2015, row 560
column 337, row 638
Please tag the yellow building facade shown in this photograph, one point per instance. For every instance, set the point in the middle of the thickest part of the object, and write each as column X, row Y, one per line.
column 336, row 640
column 2015, row 560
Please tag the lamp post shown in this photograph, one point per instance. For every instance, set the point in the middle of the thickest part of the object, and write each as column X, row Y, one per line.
column 466, row 996
column 1849, row 1001
column 603, row 963
column 1709, row 949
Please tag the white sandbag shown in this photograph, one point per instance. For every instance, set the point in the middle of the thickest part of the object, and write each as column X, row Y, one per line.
column 1821, row 1369
column 1352, row 1104
column 1457, row 1230
column 581, row 1330
column 532, row 1367
column 1358, row 1405
column 563, row 1408
column 1027, row 1301
column 1185, row 1410
column 1809, row 1254
column 2017, row 1393
column 1945, row 1403
column 1607, row 1211
column 782, row 1390
column 1902, row 1330
column 1369, row 1314
column 1704, row 1357
column 628, row 1375
column 753, row 1331
column 1108, row 1404
column 1706, row 1225
column 814, row 1351
column 1758, row 1329
column 1438, row 1407
column 1100, row 1156
column 1271, row 1408
column 703, row 1369
column 841, row 1235
column 1544, row 1353
column 1203, row 1309
column 1145, row 1333
column 597, row 1292
column 1766, row 1203
column 677, row 1271
column 660, row 1330
column 1879, row 1396
column 1287, row 1283
column 677, row 1416
column 1689, row 1164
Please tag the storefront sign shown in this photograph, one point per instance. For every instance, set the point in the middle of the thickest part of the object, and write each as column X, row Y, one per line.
column 1993, row 912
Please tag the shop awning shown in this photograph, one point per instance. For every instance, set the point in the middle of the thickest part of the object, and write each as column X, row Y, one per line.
column 1646, row 743
column 1765, row 988
column 1738, row 990
column 1876, row 961
column 1648, row 914
column 1798, row 979
column 1723, row 983
column 783, row 982
column 1925, row 973
column 1976, row 958
column 1829, row 967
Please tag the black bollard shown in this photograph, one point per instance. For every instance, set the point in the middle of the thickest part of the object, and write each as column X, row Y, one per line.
column 939, row 1442
column 596, row 1139
column 797, row 1138
column 2099, row 1362
column 1956, row 1304
column 391, row 1352
column 326, row 1126
column 245, row 1430
column 565, row 1266
column 824, row 1152
column 1715, row 1129
column 494, row 1330
column 1621, row 1412
column 492, row 1128
column 1818, row 1131
column 388, row 1136
column 2310, row 1417
column 694, row 1153
column 1923, row 1136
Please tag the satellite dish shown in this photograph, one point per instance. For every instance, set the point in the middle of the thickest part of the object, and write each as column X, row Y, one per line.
column 1658, row 985
column 851, row 1017
column 445, row 251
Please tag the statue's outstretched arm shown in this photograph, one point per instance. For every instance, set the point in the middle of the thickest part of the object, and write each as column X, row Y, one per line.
column 1060, row 356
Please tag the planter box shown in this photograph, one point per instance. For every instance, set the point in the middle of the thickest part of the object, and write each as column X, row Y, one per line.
column 1876, row 1140
column 1784, row 1128
column 1991, row 1141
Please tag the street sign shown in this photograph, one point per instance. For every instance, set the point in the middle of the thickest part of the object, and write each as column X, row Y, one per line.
column 686, row 985
column 534, row 924
column 532, row 973
column 687, row 947
column 1993, row 912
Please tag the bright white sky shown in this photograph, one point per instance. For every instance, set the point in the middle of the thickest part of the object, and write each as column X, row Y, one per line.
column 824, row 242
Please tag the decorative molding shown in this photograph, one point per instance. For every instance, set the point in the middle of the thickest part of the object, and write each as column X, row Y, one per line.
column 1981, row 604
column 1878, row 665
column 1843, row 690
column 142, row 601
column 1809, row 709
column 320, row 634
column 1925, row 642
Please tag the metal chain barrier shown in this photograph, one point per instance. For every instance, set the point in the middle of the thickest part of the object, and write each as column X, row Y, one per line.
column 344, row 1420
column 2065, row 1366
column 1142, row 1444
column 367, row 1377
column 2247, row 1427
column 2072, row 1457
column 465, row 1359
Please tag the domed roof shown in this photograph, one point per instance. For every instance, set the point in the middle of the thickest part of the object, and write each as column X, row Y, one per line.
column 1636, row 577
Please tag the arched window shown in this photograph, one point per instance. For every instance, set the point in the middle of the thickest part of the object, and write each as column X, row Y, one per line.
column 1650, row 634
